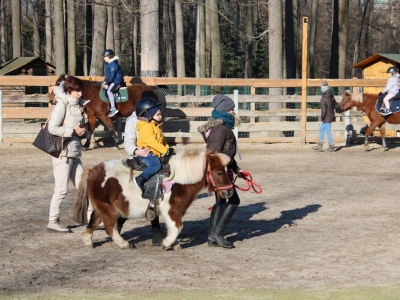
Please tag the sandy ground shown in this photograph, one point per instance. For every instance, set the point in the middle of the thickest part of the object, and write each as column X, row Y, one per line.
column 325, row 227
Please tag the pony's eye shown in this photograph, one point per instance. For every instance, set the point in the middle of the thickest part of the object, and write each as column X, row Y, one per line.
column 219, row 173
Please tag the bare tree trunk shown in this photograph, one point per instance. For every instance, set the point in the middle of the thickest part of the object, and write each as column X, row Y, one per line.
column 248, row 68
column 87, row 53
column 167, row 37
column 48, row 32
column 16, row 28
column 71, row 37
column 149, row 20
column 202, row 39
column 135, row 30
column 313, row 33
column 99, row 40
column 2, row 34
column 180, row 44
column 334, row 61
column 215, row 40
column 110, row 29
column 343, row 29
column 275, row 31
column 208, row 39
column 59, row 37
column 117, row 31
column 35, row 29
column 362, row 11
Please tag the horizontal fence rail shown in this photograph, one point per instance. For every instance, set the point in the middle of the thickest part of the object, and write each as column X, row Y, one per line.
column 186, row 113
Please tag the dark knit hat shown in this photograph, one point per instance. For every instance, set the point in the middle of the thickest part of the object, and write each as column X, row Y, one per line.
column 152, row 111
column 223, row 103
column 324, row 87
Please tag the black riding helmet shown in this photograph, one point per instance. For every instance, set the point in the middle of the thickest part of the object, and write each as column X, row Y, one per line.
column 108, row 52
column 144, row 105
column 392, row 69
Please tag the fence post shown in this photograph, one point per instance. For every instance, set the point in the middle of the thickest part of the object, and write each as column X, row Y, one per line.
column 304, row 83
column 1, row 115
column 236, row 100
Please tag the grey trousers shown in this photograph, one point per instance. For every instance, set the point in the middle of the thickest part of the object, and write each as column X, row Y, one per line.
column 64, row 169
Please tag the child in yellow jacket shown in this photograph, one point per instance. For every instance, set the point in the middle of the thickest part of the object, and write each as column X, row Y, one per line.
column 150, row 135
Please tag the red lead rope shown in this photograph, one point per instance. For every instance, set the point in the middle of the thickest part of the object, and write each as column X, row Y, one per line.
column 250, row 183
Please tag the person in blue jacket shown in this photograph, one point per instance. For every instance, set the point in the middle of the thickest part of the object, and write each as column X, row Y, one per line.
column 114, row 78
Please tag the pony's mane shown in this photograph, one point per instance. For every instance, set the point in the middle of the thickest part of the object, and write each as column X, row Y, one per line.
column 189, row 166
column 357, row 97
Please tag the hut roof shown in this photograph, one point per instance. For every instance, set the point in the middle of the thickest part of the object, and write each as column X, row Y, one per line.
column 378, row 56
column 19, row 62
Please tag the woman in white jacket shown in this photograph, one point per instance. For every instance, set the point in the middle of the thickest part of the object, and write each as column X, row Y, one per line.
column 66, row 121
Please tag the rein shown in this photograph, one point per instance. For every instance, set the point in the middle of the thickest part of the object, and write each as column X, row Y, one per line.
column 356, row 116
column 210, row 179
column 249, row 181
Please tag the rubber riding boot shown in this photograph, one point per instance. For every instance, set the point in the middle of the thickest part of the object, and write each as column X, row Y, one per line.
column 213, row 219
column 140, row 181
column 217, row 234
column 158, row 236
column 54, row 226
column 318, row 147
column 331, row 148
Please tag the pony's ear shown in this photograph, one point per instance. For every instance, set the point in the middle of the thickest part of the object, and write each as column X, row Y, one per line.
column 225, row 159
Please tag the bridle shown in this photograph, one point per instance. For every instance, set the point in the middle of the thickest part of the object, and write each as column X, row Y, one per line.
column 210, row 180
column 362, row 112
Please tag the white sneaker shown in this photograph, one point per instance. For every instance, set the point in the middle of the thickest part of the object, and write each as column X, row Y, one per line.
column 113, row 112
column 54, row 226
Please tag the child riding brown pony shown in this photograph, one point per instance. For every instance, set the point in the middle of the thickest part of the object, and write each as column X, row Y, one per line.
column 98, row 109
column 367, row 103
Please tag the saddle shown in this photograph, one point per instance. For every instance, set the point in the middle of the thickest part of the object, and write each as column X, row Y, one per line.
column 120, row 95
column 153, row 187
column 394, row 102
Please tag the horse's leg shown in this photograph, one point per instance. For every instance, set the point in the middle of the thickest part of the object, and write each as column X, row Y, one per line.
column 110, row 216
column 110, row 126
column 383, row 136
column 368, row 132
column 92, row 125
column 173, row 221
column 94, row 221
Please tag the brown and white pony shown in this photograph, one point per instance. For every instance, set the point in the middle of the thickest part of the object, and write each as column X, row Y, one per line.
column 367, row 103
column 112, row 195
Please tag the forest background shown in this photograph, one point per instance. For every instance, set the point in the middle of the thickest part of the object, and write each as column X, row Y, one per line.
column 200, row 38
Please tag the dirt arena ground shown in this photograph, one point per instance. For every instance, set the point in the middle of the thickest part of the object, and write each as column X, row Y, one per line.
column 325, row 227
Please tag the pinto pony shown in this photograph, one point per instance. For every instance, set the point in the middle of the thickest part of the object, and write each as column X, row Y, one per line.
column 98, row 109
column 108, row 188
column 366, row 103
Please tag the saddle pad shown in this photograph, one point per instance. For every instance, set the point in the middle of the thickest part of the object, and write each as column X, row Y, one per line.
column 394, row 103
column 120, row 96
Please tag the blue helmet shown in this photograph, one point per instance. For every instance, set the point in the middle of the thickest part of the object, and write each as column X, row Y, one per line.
column 144, row 105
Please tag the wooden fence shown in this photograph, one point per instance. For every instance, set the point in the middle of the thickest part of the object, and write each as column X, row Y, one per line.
column 184, row 120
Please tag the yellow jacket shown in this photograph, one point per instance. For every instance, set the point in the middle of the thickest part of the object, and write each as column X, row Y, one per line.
column 150, row 135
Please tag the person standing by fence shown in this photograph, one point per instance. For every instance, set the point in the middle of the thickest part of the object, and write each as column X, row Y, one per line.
column 328, row 105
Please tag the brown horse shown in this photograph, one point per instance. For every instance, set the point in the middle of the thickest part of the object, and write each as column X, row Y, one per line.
column 98, row 109
column 367, row 103
column 112, row 195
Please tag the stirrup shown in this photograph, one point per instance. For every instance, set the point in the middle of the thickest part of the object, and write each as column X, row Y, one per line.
column 151, row 211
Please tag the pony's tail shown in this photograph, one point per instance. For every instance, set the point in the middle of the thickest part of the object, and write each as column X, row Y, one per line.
column 81, row 200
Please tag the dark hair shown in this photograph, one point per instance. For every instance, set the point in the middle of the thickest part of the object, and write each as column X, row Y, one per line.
column 72, row 84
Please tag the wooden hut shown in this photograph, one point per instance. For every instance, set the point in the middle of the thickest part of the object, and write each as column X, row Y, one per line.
column 26, row 66
column 375, row 67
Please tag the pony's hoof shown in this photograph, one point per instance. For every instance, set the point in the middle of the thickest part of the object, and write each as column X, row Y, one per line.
column 366, row 147
column 177, row 247
column 88, row 245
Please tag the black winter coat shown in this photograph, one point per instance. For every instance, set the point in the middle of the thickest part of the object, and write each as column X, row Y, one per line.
column 328, row 105
column 220, row 139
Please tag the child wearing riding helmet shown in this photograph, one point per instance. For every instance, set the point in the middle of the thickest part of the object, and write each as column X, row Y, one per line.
column 150, row 135
column 218, row 135
column 114, row 78
column 392, row 88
